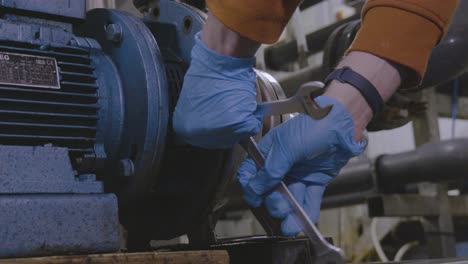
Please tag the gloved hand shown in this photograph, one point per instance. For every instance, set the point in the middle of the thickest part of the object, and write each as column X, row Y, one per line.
column 307, row 154
column 218, row 100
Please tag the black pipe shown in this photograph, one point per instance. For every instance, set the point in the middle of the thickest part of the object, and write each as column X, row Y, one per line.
column 356, row 177
column 348, row 199
column 450, row 57
column 309, row 3
column 277, row 55
column 435, row 162
column 443, row 162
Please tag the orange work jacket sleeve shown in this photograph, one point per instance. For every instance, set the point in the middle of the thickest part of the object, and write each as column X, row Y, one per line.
column 402, row 31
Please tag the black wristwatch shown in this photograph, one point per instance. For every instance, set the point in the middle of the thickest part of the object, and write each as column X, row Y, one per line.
column 364, row 86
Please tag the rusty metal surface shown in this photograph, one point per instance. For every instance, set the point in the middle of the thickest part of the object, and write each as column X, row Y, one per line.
column 185, row 257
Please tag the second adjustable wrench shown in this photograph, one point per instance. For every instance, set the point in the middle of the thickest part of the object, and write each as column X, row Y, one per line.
column 302, row 102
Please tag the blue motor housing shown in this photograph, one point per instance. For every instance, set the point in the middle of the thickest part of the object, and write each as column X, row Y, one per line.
column 50, row 103
column 86, row 102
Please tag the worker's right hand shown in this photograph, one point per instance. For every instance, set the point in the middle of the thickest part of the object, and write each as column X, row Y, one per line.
column 218, row 100
column 306, row 154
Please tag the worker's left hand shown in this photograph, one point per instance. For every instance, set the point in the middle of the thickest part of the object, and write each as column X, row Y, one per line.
column 216, row 107
column 306, row 154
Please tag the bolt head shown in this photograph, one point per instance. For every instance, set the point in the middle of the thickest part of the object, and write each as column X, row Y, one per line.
column 114, row 33
column 126, row 167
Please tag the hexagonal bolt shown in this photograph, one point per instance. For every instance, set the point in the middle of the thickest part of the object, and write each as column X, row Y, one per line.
column 114, row 33
column 126, row 167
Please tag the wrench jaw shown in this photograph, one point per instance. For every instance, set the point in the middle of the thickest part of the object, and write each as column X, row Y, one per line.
column 311, row 89
column 308, row 92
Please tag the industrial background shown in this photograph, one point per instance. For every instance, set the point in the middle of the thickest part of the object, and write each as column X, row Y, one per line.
column 90, row 167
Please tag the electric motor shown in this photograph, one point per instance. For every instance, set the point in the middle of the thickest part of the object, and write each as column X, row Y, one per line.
column 104, row 86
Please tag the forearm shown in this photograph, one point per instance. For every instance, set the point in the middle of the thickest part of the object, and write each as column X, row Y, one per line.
column 382, row 74
column 225, row 41
column 403, row 32
column 378, row 71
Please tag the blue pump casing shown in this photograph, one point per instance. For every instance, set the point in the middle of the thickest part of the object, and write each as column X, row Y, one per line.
column 85, row 134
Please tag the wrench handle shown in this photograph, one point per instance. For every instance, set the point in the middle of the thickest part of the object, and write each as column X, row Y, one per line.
column 272, row 226
column 323, row 249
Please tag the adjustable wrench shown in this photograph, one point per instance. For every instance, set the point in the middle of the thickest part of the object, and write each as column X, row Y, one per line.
column 301, row 102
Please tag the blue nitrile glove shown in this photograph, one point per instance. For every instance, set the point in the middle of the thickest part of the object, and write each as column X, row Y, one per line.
column 307, row 154
column 218, row 100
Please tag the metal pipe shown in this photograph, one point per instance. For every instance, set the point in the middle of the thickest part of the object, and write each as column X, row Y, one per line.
column 354, row 178
column 435, row 162
column 442, row 162
column 348, row 199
